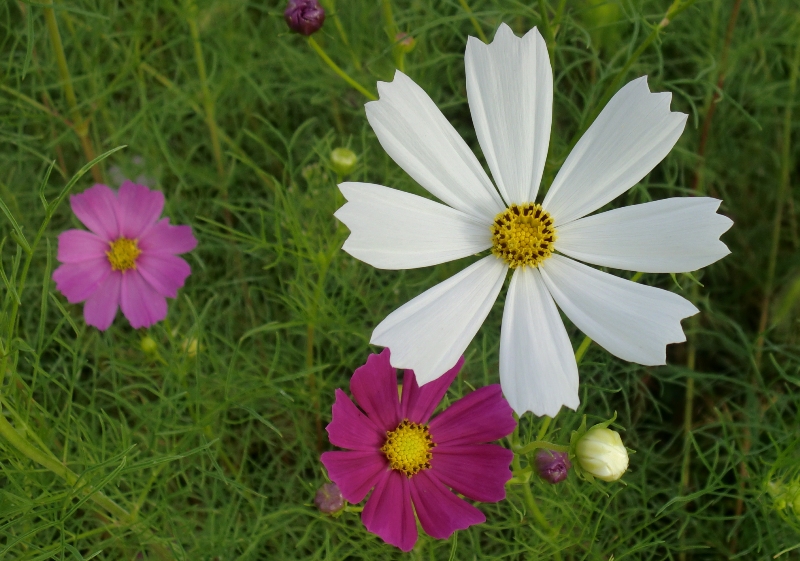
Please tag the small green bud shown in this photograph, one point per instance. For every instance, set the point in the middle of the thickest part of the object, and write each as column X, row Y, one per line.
column 190, row 347
column 600, row 453
column 404, row 43
column 343, row 161
column 149, row 345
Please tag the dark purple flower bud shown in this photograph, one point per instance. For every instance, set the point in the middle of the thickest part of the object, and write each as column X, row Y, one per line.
column 304, row 16
column 552, row 466
column 329, row 499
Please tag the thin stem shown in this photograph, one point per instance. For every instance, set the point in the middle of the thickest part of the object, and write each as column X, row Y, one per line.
column 536, row 444
column 549, row 39
column 475, row 24
column 783, row 191
column 672, row 12
column 47, row 460
column 342, row 74
column 208, row 100
column 79, row 125
column 530, row 501
column 330, row 5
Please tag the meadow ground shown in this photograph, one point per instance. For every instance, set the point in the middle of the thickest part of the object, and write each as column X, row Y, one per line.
column 207, row 446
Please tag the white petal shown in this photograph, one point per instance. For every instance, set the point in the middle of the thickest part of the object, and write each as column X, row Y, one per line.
column 391, row 229
column 632, row 321
column 510, row 92
column 537, row 366
column 429, row 333
column 632, row 134
column 416, row 135
column 668, row 236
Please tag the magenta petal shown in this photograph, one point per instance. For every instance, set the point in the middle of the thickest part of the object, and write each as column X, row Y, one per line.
column 478, row 471
column 388, row 511
column 165, row 273
column 355, row 472
column 101, row 307
column 482, row 416
column 418, row 403
column 350, row 428
column 138, row 208
column 97, row 209
column 165, row 238
column 75, row 246
column 374, row 386
column 439, row 511
column 140, row 302
column 78, row 281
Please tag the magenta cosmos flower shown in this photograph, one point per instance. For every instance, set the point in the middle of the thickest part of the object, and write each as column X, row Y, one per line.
column 127, row 259
column 396, row 451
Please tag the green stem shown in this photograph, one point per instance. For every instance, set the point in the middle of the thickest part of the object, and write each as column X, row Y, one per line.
column 79, row 125
column 47, row 460
column 549, row 38
column 672, row 12
column 342, row 74
column 536, row 444
column 208, row 100
column 530, row 501
column 330, row 5
column 475, row 24
column 783, row 190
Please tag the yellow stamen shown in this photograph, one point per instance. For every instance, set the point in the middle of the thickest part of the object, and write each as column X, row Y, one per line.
column 408, row 447
column 523, row 235
column 123, row 253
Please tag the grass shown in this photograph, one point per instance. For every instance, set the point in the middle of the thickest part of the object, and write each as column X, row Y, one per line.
column 215, row 454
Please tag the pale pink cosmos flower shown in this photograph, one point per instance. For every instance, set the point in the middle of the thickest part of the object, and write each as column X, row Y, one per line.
column 127, row 259
column 396, row 451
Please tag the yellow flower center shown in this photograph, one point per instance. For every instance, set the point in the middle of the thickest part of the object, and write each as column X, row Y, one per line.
column 408, row 447
column 523, row 235
column 123, row 253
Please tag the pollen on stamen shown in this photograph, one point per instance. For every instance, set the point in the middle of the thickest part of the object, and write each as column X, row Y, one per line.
column 408, row 447
column 523, row 235
column 122, row 254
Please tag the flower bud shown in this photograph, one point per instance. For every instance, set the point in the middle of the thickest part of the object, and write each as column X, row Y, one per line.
column 190, row 346
column 304, row 16
column 149, row 345
column 405, row 43
column 552, row 466
column 343, row 161
column 329, row 499
column 600, row 453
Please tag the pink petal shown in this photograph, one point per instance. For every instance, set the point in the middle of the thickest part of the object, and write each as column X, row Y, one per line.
column 355, row 472
column 388, row 511
column 418, row 403
column 101, row 307
column 165, row 238
column 374, row 386
column 140, row 302
column 482, row 416
column 478, row 471
column 439, row 511
column 77, row 281
column 138, row 208
column 166, row 273
column 75, row 246
column 97, row 209
column 350, row 428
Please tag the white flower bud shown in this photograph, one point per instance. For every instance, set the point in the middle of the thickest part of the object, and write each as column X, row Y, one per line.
column 601, row 453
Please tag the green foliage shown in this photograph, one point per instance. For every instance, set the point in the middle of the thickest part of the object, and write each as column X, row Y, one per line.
column 206, row 446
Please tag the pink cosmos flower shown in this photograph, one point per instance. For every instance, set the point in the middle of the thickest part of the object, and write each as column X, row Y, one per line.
column 395, row 450
column 127, row 260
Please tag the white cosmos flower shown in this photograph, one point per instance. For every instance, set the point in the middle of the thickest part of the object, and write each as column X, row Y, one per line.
column 510, row 92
